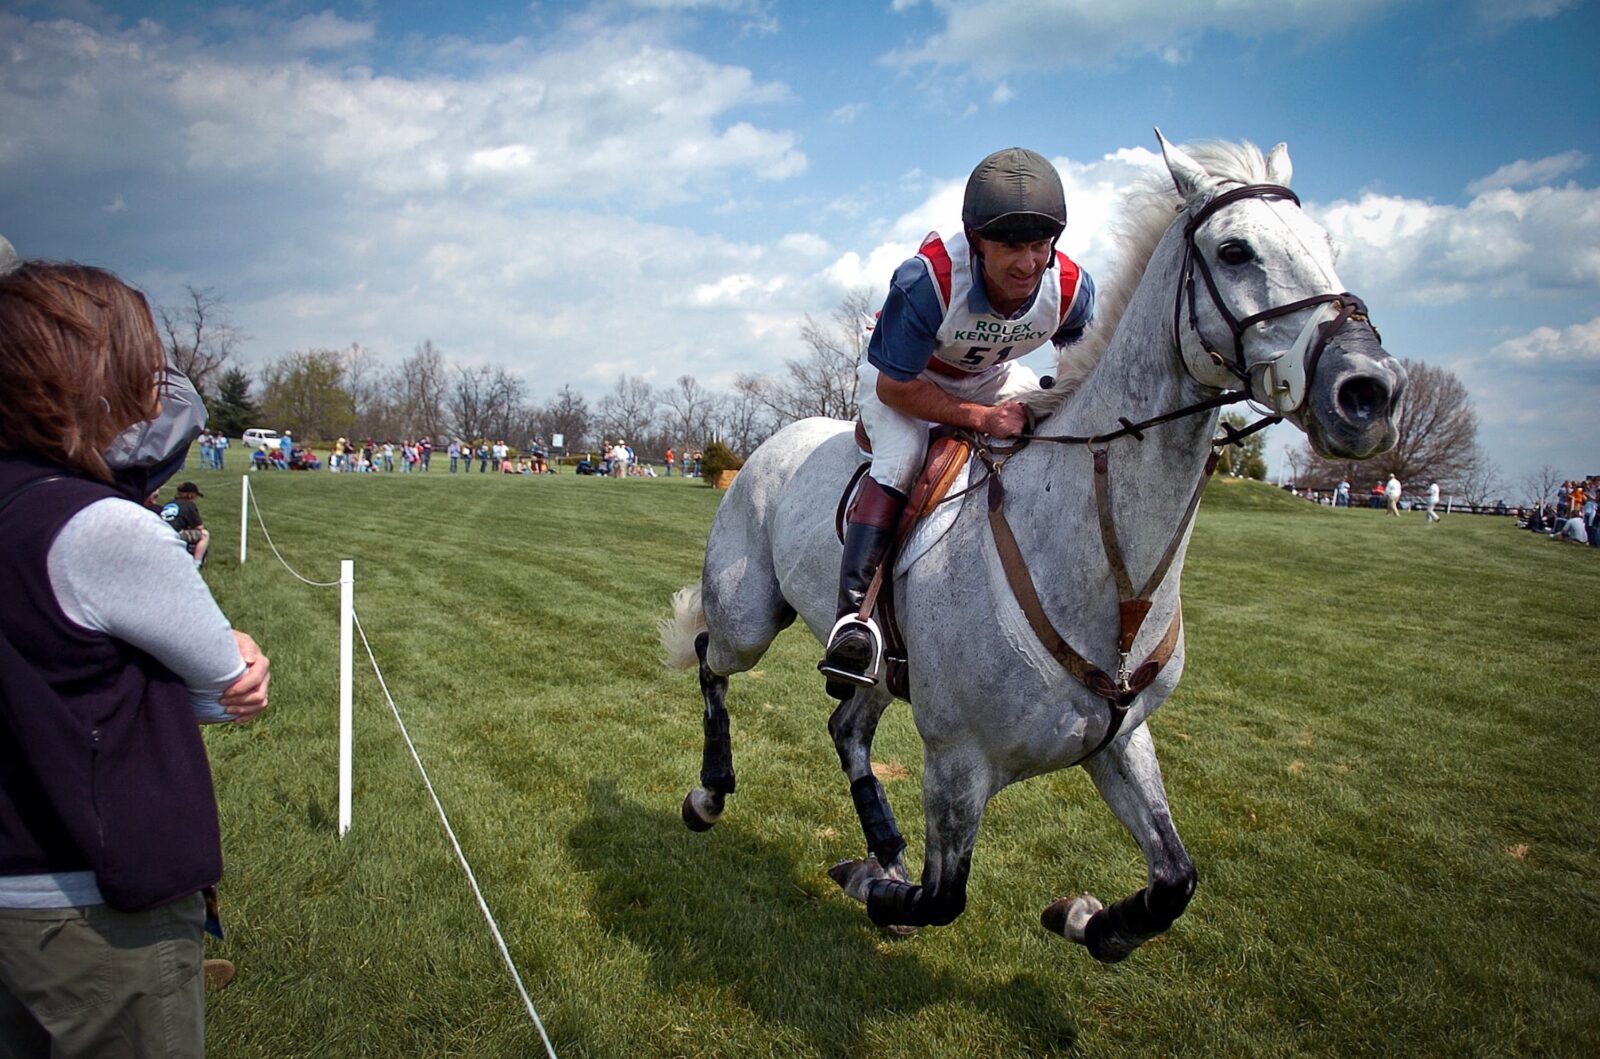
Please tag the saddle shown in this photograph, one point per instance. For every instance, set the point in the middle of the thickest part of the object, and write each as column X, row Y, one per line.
column 948, row 453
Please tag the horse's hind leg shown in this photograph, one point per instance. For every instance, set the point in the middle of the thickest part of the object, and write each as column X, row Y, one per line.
column 853, row 726
column 1129, row 779
column 703, row 806
column 735, row 640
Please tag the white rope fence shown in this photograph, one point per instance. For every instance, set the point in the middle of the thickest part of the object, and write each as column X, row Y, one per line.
column 347, row 617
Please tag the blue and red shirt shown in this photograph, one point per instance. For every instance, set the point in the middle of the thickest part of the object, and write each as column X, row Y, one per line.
column 937, row 309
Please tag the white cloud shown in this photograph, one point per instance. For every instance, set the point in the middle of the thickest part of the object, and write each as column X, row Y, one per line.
column 326, row 31
column 804, row 244
column 612, row 116
column 997, row 37
column 1522, row 172
column 848, row 113
column 1503, row 242
column 1505, row 12
column 1578, row 343
column 1002, row 93
column 116, row 205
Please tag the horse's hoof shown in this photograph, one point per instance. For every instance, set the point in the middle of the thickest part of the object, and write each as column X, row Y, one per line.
column 1070, row 916
column 701, row 810
column 854, row 876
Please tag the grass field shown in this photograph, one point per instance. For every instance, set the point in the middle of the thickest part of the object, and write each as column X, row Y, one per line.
column 1381, row 760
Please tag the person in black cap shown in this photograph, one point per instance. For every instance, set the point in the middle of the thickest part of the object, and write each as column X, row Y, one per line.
column 184, row 517
column 957, row 317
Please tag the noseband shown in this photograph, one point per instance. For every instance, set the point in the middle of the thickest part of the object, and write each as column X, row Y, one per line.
column 1284, row 378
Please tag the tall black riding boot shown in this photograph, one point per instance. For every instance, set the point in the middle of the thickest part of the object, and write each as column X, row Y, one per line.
column 851, row 658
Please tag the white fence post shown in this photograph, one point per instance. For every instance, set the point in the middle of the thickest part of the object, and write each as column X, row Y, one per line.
column 244, row 516
column 347, row 586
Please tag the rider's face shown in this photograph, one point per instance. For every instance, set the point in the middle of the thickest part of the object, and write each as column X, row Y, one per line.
column 1011, row 271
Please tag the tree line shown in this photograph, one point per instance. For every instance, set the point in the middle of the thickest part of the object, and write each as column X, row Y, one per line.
column 352, row 392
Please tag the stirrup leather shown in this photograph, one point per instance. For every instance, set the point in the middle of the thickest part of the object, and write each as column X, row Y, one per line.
column 874, row 672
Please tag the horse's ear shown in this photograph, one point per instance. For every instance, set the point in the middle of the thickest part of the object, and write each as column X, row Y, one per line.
column 1279, row 168
column 1187, row 175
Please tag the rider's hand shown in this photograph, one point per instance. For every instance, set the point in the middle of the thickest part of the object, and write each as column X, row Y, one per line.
column 1005, row 420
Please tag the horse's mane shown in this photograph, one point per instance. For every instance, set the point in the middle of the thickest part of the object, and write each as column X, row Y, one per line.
column 1137, row 227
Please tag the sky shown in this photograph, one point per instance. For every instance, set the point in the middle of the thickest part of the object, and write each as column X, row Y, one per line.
column 580, row 191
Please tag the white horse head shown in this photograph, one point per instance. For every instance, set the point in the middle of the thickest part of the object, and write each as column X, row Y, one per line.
column 1270, row 312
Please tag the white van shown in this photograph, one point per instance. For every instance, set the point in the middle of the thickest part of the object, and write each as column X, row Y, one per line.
column 256, row 438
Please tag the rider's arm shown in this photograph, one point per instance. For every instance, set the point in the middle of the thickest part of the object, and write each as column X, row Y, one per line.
column 906, row 330
column 1080, row 316
column 921, row 399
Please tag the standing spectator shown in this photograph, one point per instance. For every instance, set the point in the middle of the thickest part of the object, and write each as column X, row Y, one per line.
column 367, row 451
column 1433, row 502
column 388, row 455
column 205, row 451
column 697, row 457
column 483, row 456
column 455, row 454
column 1341, row 498
column 1391, row 495
column 425, row 451
column 670, row 454
column 619, row 459
column 106, row 856
column 285, row 443
column 219, row 446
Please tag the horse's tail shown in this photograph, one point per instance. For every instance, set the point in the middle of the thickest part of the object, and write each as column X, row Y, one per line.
column 679, row 632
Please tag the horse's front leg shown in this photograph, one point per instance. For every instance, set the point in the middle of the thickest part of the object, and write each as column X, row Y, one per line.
column 1129, row 779
column 955, row 789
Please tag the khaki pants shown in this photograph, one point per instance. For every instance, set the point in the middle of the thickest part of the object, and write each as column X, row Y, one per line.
column 96, row 982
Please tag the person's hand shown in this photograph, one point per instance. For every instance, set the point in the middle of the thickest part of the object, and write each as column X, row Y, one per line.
column 1005, row 420
column 247, row 696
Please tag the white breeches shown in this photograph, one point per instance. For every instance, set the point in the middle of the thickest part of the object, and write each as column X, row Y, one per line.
column 900, row 443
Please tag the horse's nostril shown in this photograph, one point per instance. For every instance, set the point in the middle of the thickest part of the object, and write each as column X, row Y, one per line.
column 1362, row 399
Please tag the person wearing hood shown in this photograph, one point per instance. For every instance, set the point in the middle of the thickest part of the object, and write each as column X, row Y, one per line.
column 111, row 648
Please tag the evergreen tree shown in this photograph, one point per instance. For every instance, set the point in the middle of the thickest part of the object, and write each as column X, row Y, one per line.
column 232, row 410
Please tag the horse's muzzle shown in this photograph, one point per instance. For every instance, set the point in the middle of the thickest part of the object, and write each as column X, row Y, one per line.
column 1355, row 395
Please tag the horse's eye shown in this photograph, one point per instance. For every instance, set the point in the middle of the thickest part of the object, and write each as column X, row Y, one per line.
column 1235, row 252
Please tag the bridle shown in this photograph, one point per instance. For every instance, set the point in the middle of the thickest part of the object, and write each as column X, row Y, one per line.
column 1283, row 378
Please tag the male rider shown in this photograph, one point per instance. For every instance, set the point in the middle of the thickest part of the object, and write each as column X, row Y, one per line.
column 957, row 317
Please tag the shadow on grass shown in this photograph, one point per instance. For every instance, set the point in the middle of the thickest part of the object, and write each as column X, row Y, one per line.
column 726, row 916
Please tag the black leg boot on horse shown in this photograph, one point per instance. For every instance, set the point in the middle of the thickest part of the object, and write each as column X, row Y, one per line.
column 855, row 646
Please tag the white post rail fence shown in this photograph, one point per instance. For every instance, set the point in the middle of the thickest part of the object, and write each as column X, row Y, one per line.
column 347, row 593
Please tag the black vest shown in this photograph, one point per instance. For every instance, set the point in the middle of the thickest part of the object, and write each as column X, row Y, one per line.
column 101, row 762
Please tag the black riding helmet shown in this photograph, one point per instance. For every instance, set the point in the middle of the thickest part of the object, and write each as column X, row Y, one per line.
column 1015, row 196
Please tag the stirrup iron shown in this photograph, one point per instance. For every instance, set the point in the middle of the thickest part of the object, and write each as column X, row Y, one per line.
column 874, row 672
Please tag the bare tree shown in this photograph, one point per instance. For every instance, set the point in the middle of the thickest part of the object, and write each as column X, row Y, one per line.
column 1539, row 487
column 823, row 383
column 1438, row 436
column 689, row 408
column 1481, row 482
column 566, row 414
column 742, row 422
column 200, row 337
column 417, row 392
column 629, row 410
column 486, row 403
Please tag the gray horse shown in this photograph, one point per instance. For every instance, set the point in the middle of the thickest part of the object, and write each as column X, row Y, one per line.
column 1225, row 285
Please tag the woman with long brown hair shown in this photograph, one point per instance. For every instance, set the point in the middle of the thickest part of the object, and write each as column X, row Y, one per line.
column 111, row 648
